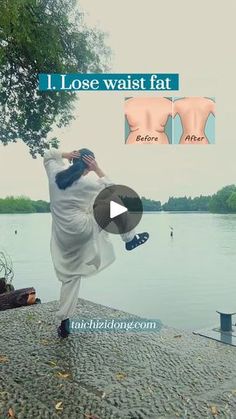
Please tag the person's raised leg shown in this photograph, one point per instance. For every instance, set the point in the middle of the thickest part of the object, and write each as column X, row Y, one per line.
column 123, row 223
column 133, row 240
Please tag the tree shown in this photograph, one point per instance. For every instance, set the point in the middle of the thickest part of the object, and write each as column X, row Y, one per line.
column 41, row 206
column 151, row 205
column 231, row 202
column 199, row 203
column 219, row 201
column 177, row 204
column 42, row 36
column 12, row 205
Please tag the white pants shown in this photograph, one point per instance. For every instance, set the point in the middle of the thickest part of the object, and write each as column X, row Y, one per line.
column 70, row 290
column 127, row 237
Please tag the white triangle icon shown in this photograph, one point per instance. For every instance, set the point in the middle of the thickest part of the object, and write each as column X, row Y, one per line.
column 116, row 209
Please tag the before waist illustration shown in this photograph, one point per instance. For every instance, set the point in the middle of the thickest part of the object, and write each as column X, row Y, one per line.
column 147, row 119
column 194, row 113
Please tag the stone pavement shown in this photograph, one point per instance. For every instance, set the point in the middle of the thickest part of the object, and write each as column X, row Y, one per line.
column 170, row 374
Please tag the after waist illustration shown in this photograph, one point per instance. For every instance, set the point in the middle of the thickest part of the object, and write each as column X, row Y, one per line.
column 193, row 113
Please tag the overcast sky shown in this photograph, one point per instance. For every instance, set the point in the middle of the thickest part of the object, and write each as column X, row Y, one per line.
column 152, row 36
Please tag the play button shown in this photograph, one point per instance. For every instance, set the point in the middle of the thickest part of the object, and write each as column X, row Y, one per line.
column 117, row 209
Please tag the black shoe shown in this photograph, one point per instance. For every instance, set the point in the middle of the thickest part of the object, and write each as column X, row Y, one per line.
column 63, row 329
column 138, row 240
column 37, row 301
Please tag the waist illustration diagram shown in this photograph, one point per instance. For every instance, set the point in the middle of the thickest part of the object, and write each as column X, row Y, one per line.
column 169, row 120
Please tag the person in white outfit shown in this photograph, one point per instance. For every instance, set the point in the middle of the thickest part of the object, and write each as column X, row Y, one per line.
column 79, row 247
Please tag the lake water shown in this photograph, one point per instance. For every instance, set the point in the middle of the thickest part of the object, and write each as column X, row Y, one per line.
column 181, row 281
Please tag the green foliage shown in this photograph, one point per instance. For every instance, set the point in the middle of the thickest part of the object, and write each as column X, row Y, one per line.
column 151, row 205
column 200, row 203
column 221, row 202
column 231, row 202
column 41, row 206
column 22, row 204
column 41, row 36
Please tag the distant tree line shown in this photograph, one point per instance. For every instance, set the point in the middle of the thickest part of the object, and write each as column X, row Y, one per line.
column 224, row 201
column 200, row 203
column 22, row 204
column 151, row 205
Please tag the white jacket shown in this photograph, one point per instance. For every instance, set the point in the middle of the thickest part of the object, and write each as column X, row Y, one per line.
column 78, row 246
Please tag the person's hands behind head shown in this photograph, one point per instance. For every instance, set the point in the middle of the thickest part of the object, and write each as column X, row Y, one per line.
column 71, row 155
column 92, row 165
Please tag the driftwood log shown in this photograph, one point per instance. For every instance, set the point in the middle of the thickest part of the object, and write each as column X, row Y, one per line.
column 17, row 298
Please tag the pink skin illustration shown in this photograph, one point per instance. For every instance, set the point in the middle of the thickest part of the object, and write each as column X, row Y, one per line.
column 194, row 113
column 147, row 118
